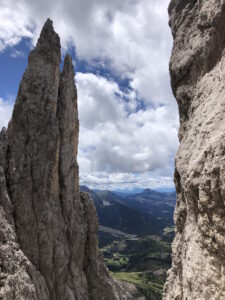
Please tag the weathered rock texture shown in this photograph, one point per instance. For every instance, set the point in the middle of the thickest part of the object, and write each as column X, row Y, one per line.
column 197, row 69
column 48, row 242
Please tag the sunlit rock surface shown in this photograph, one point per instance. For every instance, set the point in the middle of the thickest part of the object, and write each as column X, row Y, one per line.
column 197, row 69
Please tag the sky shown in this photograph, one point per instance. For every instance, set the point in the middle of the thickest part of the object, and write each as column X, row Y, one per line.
column 120, row 49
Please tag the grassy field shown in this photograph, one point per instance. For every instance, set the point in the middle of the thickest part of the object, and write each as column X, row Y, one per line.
column 152, row 290
column 142, row 261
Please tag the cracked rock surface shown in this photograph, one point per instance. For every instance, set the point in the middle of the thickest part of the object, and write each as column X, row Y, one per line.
column 48, row 229
column 197, row 69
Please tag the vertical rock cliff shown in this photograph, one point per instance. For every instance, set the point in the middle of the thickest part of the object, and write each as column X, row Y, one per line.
column 197, row 69
column 48, row 229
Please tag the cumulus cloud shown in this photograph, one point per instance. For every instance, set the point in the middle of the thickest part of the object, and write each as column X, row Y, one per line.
column 126, row 135
column 115, row 141
column 99, row 100
column 16, row 23
column 131, row 36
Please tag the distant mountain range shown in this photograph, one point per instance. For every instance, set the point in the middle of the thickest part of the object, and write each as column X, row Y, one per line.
column 145, row 213
column 135, row 236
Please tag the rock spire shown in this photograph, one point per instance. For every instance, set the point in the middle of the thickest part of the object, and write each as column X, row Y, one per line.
column 48, row 231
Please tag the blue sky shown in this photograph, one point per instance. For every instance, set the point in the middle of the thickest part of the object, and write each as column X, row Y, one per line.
column 121, row 49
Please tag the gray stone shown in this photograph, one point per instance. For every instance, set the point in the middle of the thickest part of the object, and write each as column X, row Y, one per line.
column 197, row 69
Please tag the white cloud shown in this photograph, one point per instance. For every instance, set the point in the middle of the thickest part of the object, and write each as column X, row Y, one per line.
column 126, row 181
column 16, row 53
column 15, row 23
column 98, row 101
column 132, row 36
column 117, row 142
column 6, row 108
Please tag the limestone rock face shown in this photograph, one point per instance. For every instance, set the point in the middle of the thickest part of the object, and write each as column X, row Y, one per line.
column 197, row 69
column 48, row 229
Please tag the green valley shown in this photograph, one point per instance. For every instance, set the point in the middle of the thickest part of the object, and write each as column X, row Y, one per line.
column 142, row 261
column 135, row 237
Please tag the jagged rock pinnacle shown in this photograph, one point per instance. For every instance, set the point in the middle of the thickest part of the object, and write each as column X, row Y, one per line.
column 68, row 64
column 47, row 48
column 48, row 233
column 48, row 36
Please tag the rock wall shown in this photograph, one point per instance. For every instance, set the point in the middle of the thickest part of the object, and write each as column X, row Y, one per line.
column 197, row 69
column 48, row 229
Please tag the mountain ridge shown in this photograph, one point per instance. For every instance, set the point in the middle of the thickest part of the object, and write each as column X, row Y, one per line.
column 132, row 216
